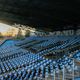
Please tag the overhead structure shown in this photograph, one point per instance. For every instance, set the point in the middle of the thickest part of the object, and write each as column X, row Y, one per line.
column 54, row 14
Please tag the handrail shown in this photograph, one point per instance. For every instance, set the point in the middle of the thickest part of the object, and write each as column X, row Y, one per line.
column 3, row 41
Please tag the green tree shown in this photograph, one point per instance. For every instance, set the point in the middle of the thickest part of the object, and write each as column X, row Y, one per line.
column 19, row 35
column 27, row 34
column 1, row 36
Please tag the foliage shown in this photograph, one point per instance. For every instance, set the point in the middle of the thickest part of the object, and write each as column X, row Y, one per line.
column 1, row 36
column 27, row 34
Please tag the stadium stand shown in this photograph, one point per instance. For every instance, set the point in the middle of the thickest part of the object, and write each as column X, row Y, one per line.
column 40, row 58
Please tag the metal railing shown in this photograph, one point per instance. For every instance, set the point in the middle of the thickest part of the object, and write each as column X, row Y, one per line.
column 64, row 74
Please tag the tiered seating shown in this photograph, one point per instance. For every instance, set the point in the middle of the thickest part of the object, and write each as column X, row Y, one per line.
column 38, row 57
column 78, row 78
column 77, row 55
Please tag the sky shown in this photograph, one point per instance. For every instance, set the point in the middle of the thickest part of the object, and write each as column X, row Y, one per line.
column 4, row 27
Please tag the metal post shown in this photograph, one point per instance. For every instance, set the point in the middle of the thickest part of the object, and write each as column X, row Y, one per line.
column 63, row 78
column 73, row 69
column 54, row 75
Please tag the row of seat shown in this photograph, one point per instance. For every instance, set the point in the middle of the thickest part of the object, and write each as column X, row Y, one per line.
column 22, row 64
